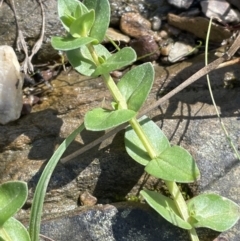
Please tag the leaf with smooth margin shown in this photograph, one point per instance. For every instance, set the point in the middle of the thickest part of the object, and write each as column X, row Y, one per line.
column 70, row 43
column 82, row 61
column 14, row 230
column 82, row 25
column 40, row 191
column 102, row 18
column 165, row 207
column 174, row 164
column 79, row 11
column 83, row 65
column 136, row 84
column 156, row 137
column 101, row 119
column 67, row 9
column 67, row 20
column 213, row 211
column 13, row 195
column 99, row 49
column 122, row 58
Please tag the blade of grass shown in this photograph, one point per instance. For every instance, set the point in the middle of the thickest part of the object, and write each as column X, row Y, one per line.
column 38, row 199
column 212, row 97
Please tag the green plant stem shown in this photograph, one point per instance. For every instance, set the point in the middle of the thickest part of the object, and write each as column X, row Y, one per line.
column 172, row 186
column 93, row 54
column 181, row 206
column 141, row 135
column 108, row 80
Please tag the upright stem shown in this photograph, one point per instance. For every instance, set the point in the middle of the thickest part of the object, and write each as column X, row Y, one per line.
column 109, row 82
column 117, row 95
column 181, row 206
column 144, row 139
column 172, row 186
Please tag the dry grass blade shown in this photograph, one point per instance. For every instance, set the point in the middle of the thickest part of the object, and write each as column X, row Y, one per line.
column 21, row 43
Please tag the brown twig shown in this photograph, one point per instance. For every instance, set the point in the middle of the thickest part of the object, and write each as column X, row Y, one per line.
column 205, row 70
column 27, row 64
column 21, row 43
column 45, row 237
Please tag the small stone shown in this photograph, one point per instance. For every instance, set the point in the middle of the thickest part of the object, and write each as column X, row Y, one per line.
column 179, row 51
column 220, row 10
column 146, row 45
column 163, row 34
column 116, row 36
column 156, row 23
column 166, row 48
column 134, row 25
column 11, row 83
column 87, row 199
column 185, row 4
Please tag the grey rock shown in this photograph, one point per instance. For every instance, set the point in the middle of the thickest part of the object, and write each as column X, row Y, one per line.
column 220, row 10
column 117, row 222
column 30, row 23
column 11, row 83
column 147, row 9
column 185, row 4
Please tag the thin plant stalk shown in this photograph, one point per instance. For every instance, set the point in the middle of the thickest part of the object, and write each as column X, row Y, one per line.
column 213, row 100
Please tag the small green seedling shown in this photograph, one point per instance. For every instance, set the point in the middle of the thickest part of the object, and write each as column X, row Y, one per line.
column 86, row 24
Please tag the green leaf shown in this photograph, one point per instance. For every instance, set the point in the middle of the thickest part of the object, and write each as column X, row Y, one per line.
column 122, row 58
column 13, row 230
column 13, row 195
column 67, row 20
column 136, row 84
column 174, row 164
column 100, row 51
column 101, row 119
column 156, row 137
column 68, row 11
column 40, row 192
column 70, row 43
column 80, row 10
column 82, row 61
column 82, row 25
column 102, row 18
column 213, row 211
column 83, row 65
column 165, row 207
